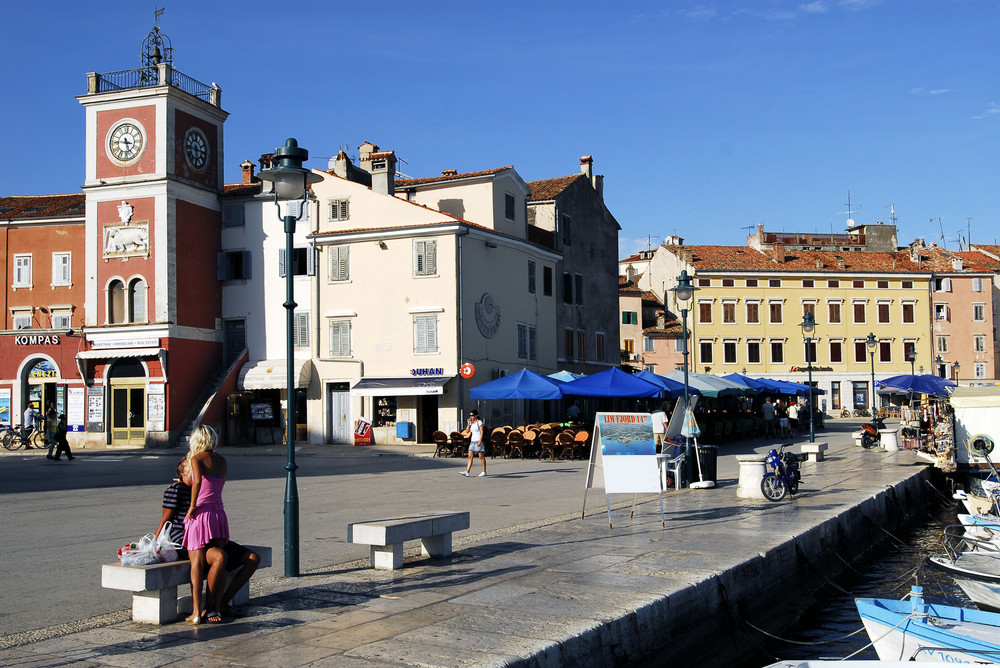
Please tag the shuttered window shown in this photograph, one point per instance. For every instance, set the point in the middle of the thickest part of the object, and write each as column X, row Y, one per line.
column 340, row 338
column 425, row 334
column 425, row 257
column 301, row 334
column 340, row 263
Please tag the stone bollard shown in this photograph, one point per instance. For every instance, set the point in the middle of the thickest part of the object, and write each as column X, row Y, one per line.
column 889, row 439
column 752, row 469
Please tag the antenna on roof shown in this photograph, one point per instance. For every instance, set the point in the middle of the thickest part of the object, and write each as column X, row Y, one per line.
column 892, row 213
column 649, row 242
column 850, row 212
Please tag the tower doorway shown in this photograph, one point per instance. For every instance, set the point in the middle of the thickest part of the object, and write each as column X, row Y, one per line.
column 128, row 403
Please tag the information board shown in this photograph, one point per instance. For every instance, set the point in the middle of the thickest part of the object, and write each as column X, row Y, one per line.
column 262, row 412
column 76, row 412
column 95, row 408
column 5, row 406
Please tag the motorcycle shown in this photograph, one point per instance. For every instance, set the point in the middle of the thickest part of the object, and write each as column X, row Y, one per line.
column 785, row 476
column 870, row 436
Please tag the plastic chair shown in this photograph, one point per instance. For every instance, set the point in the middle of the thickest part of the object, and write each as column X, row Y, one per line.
column 582, row 440
column 674, row 465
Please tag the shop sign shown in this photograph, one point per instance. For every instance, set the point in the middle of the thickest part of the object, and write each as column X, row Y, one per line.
column 803, row 369
column 363, row 432
column 427, row 372
column 36, row 340
column 43, row 369
column 126, row 343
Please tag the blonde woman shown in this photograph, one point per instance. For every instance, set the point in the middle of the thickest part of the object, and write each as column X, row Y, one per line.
column 206, row 524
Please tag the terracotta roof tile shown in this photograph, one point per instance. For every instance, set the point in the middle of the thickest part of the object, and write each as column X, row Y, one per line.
column 42, row 206
column 241, row 189
column 549, row 189
column 403, row 183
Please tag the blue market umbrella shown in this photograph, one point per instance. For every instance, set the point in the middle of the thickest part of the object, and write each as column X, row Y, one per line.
column 566, row 376
column 612, row 383
column 524, row 384
column 922, row 384
column 671, row 388
column 710, row 385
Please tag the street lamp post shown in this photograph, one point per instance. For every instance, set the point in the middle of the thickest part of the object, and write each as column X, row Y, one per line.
column 289, row 181
column 872, row 344
column 808, row 325
column 683, row 292
column 940, row 365
column 911, row 355
column 921, row 369
column 957, row 367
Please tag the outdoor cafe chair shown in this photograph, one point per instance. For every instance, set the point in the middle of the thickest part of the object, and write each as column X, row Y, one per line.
column 499, row 442
column 546, row 443
column 674, row 465
column 458, row 444
column 443, row 445
column 515, row 443
column 530, row 442
column 565, row 441
column 582, row 440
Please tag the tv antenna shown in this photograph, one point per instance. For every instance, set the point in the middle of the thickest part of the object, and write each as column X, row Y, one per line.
column 850, row 211
column 892, row 213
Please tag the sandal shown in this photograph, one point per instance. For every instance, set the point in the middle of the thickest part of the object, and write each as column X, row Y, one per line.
column 213, row 617
column 232, row 611
column 195, row 621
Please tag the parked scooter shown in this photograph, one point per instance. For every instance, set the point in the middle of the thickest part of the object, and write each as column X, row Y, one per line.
column 785, row 477
column 870, row 436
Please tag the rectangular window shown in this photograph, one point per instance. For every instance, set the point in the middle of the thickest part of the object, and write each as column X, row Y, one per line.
column 774, row 311
column 704, row 282
column 859, row 312
column 532, row 343
column 809, row 352
column 425, row 334
column 729, row 312
column 340, row 338
column 547, row 281
column 234, row 338
column 883, row 313
column 60, row 321
column 941, row 312
column 340, row 209
column 233, row 265
column 810, row 308
column 22, row 322
column 630, row 318
column 980, row 370
column 729, row 352
column 753, row 313
column 882, row 284
column 508, row 206
column 833, row 310
column 647, row 344
column 885, row 351
column 340, row 263
column 567, row 288
column 522, row 341
column 835, row 394
column 979, row 312
column 531, row 277
column 303, row 262
column 753, row 352
column 836, row 352
column 300, row 334
column 705, row 312
column 977, row 284
column 705, row 350
column 600, row 346
column 628, row 345
column 808, row 283
column 942, row 285
column 425, row 258
column 61, row 269
column 728, row 283
column 942, row 344
column 22, row 271
column 908, row 312
column 833, row 283
column 777, row 352
column 581, row 344
column 579, row 289
column 906, row 285
column 751, row 282
column 858, row 285
column 860, row 352
column 567, row 226
column 774, row 282
column 233, row 216
column 979, row 343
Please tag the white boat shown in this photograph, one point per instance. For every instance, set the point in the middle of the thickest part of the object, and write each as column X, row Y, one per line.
column 981, row 527
column 903, row 630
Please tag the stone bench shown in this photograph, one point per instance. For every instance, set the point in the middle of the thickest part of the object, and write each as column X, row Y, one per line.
column 857, row 437
column 154, row 586
column 815, row 450
column 386, row 537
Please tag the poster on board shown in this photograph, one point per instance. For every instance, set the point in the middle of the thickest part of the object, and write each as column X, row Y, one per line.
column 624, row 449
column 76, row 413
column 5, row 407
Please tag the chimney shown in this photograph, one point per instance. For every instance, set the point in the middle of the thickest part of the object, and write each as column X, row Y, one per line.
column 248, row 176
column 587, row 166
column 915, row 254
column 630, row 274
column 661, row 319
column 449, row 172
column 819, row 263
column 364, row 154
column 956, row 264
column 841, row 263
column 778, row 252
column 382, row 166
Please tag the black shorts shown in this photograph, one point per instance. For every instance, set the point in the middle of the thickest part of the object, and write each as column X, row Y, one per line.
column 235, row 554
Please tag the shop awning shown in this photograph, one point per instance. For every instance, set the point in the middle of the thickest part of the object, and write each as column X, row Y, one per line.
column 392, row 387
column 273, row 374
column 115, row 353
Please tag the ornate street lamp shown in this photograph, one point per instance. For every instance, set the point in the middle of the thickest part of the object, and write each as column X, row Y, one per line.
column 911, row 355
column 940, row 365
column 921, row 369
column 808, row 325
column 289, row 181
column 958, row 365
column 683, row 292
column 872, row 344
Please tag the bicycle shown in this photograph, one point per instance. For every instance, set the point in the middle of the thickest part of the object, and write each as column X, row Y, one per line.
column 13, row 438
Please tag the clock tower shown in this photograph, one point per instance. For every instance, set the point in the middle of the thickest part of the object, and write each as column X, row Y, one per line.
column 154, row 173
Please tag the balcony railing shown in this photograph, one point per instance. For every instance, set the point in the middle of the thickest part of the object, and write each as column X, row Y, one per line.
column 148, row 77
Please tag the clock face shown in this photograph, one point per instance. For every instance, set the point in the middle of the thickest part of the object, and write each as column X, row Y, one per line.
column 125, row 143
column 196, row 149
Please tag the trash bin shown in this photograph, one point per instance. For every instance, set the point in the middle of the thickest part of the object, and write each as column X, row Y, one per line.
column 708, row 454
column 404, row 430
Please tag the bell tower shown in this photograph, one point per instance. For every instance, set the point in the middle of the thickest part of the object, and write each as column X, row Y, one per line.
column 154, row 173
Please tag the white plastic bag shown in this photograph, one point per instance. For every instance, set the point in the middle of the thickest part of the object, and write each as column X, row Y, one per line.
column 166, row 548
column 141, row 553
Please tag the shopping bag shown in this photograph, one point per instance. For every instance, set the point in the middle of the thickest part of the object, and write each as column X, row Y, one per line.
column 140, row 553
column 166, row 548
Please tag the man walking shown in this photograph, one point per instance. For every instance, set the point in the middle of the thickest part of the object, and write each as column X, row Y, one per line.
column 767, row 412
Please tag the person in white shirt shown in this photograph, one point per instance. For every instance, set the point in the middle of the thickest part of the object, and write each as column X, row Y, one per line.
column 659, row 427
column 475, row 431
column 793, row 417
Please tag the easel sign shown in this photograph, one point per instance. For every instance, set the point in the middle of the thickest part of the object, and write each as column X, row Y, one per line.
column 625, row 451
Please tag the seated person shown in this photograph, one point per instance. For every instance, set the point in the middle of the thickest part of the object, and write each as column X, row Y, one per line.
column 176, row 501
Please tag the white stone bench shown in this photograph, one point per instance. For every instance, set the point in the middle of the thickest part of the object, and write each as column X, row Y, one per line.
column 815, row 450
column 386, row 537
column 857, row 437
column 154, row 586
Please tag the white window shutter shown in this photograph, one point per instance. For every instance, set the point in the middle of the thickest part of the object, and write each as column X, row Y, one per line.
column 310, row 261
column 282, row 262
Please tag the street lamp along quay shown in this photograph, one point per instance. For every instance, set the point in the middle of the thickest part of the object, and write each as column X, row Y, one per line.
column 808, row 325
column 872, row 343
column 683, row 292
column 289, row 182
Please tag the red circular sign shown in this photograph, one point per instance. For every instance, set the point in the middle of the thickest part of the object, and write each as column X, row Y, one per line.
column 467, row 370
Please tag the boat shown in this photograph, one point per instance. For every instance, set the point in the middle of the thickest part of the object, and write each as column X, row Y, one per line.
column 974, row 564
column 981, row 527
column 903, row 630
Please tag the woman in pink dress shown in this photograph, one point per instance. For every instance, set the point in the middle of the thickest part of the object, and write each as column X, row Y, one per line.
column 206, row 524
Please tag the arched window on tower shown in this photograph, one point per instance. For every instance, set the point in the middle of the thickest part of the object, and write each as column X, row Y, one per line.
column 137, row 300
column 116, row 302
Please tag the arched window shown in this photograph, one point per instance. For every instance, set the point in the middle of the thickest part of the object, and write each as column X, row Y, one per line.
column 137, row 300
column 116, row 302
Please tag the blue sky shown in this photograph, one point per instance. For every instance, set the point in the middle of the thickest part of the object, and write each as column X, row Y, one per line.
column 706, row 118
